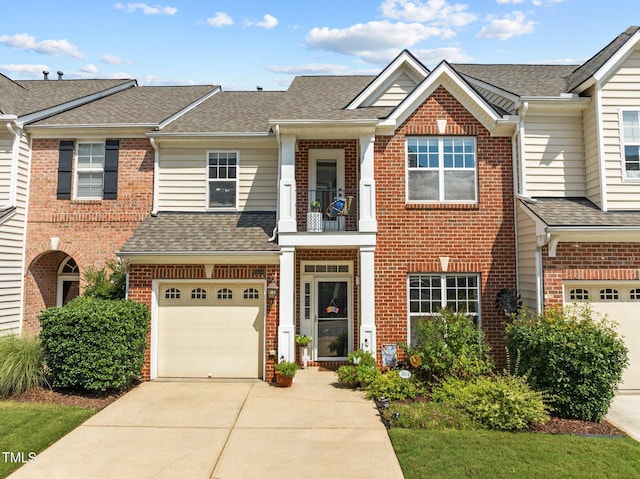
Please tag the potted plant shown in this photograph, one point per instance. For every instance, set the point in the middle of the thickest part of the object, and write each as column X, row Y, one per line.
column 315, row 206
column 303, row 341
column 286, row 370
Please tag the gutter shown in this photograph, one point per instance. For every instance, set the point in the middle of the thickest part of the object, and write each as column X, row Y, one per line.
column 274, row 234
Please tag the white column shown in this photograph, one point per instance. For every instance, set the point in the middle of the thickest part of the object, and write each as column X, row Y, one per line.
column 286, row 326
column 367, row 300
column 367, row 193
column 287, row 207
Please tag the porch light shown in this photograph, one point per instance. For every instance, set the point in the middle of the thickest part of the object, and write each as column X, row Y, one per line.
column 272, row 290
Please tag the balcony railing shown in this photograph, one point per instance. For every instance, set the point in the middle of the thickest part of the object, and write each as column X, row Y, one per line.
column 327, row 211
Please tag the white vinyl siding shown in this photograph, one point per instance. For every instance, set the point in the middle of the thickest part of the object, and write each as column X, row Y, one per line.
column 182, row 179
column 396, row 92
column 554, row 155
column 5, row 168
column 12, row 233
column 526, row 230
column 620, row 92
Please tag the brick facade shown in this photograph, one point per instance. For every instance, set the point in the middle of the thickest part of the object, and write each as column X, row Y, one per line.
column 90, row 231
column 478, row 238
column 588, row 261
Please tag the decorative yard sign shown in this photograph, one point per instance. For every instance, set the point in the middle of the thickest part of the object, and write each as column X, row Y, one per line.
column 389, row 355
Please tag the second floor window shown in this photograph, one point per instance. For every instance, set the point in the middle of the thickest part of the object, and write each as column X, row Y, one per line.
column 222, row 179
column 89, row 170
column 631, row 139
column 441, row 169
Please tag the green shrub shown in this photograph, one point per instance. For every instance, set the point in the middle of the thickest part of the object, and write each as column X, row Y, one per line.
column 503, row 402
column 94, row 345
column 575, row 358
column 448, row 344
column 99, row 283
column 427, row 415
column 21, row 366
column 360, row 371
column 393, row 387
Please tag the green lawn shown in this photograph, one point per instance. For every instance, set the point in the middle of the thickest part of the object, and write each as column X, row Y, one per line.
column 489, row 454
column 29, row 428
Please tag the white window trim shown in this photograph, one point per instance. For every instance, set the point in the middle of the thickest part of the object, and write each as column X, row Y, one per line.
column 78, row 170
column 443, row 297
column 623, row 163
column 441, row 170
column 237, row 181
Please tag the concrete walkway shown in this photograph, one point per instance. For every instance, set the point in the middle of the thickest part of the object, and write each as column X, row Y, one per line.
column 624, row 413
column 227, row 430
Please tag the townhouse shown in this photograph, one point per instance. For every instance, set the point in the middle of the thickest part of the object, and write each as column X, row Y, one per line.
column 345, row 207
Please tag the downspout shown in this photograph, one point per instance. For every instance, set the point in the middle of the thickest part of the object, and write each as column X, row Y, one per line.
column 601, row 160
column 521, row 152
column 156, row 180
column 274, row 234
column 15, row 157
column 516, row 187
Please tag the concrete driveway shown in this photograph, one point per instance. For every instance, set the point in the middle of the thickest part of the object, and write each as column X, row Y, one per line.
column 624, row 413
column 226, row 430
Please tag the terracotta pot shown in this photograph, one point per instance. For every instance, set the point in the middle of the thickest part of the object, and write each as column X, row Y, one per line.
column 285, row 381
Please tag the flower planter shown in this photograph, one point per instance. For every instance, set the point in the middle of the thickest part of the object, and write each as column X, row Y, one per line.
column 314, row 222
column 285, row 381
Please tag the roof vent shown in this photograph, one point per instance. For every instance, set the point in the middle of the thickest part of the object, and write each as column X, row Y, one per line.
column 60, row 75
column 45, row 73
column 259, row 88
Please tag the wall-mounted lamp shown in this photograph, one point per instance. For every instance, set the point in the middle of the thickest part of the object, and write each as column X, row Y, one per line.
column 272, row 290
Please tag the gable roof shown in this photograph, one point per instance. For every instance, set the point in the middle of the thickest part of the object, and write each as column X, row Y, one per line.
column 596, row 62
column 138, row 105
column 580, row 212
column 10, row 91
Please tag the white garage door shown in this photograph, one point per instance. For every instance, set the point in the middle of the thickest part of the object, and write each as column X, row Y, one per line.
column 621, row 303
column 210, row 330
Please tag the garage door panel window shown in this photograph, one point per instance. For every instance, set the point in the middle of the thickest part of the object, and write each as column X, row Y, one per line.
column 634, row 294
column 609, row 294
column 251, row 293
column 579, row 294
column 225, row 293
column 172, row 293
column 198, row 293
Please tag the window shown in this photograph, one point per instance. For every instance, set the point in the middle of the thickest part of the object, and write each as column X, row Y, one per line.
column 172, row 293
column 198, row 293
column 222, row 184
column 609, row 294
column 429, row 293
column 251, row 293
column 631, row 143
column 89, row 170
column 225, row 293
column 579, row 294
column 634, row 294
column 441, row 169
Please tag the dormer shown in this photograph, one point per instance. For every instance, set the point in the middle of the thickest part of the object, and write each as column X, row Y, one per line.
column 393, row 84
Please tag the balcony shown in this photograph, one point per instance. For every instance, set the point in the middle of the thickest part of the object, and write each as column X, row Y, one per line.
column 327, row 211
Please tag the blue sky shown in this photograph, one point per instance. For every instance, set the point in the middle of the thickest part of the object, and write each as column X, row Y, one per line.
column 242, row 44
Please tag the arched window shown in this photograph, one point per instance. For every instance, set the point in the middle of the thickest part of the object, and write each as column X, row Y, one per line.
column 225, row 293
column 635, row 294
column 198, row 293
column 68, row 281
column 251, row 293
column 609, row 294
column 172, row 293
column 579, row 294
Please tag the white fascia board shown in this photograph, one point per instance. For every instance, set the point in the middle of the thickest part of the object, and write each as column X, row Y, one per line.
column 189, row 107
column 54, row 110
column 612, row 64
column 326, row 240
column 429, row 85
column 541, row 226
column 405, row 58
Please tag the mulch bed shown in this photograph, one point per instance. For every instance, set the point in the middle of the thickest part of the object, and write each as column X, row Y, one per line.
column 44, row 395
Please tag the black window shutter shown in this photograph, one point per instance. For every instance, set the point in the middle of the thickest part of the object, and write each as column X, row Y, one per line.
column 65, row 165
column 111, row 169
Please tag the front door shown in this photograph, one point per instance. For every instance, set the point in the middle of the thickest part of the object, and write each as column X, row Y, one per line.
column 333, row 318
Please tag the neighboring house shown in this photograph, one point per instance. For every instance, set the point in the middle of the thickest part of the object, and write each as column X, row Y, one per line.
column 347, row 207
column 23, row 102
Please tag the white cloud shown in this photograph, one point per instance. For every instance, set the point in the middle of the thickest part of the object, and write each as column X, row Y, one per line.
column 25, row 42
column 147, row 9
column 220, row 19
column 89, row 68
column 375, row 42
column 31, row 71
column 310, row 69
column 435, row 12
column 511, row 1
column 503, row 28
column 546, row 3
column 435, row 56
column 268, row 22
column 112, row 59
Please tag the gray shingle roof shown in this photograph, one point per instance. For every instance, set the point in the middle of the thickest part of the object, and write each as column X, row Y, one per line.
column 521, row 80
column 591, row 66
column 577, row 212
column 10, row 91
column 39, row 95
column 138, row 105
column 195, row 233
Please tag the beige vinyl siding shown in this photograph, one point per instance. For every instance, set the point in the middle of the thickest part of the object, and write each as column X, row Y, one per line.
column 526, row 257
column 397, row 91
column 621, row 91
column 5, row 168
column 554, row 153
column 182, row 178
column 592, row 157
column 12, row 233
